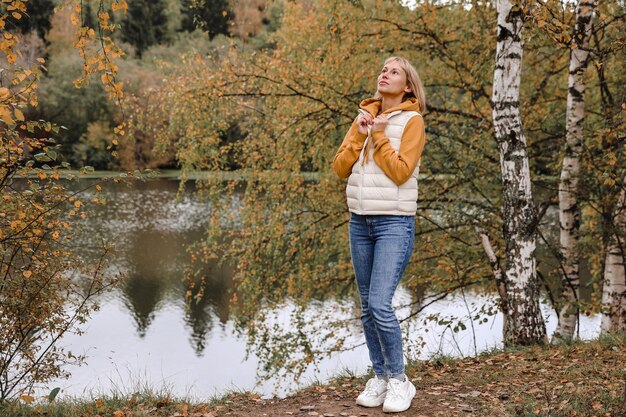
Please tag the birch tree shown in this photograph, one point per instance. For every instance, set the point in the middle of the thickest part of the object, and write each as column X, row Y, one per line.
column 523, row 323
column 569, row 210
column 614, row 288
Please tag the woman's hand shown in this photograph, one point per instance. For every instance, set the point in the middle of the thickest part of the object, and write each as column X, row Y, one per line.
column 380, row 123
column 363, row 121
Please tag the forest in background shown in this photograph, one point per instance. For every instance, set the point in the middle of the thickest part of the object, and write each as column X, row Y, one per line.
column 152, row 35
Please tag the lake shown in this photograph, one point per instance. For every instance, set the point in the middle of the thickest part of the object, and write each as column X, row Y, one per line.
column 143, row 337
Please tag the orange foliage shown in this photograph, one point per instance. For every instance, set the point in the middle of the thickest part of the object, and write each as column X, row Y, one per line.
column 46, row 288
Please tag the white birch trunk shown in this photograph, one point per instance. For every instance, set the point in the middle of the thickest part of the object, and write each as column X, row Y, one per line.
column 524, row 324
column 569, row 211
column 614, row 288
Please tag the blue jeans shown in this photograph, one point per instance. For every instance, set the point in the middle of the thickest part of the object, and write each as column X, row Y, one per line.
column 381, row 247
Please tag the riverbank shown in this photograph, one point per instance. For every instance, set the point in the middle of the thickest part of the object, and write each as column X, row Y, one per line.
column 580, row 379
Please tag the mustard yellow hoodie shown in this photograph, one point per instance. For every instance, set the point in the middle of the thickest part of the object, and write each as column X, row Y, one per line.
column 398, row 167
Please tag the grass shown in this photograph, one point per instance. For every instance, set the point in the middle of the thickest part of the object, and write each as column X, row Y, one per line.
column 573, row 379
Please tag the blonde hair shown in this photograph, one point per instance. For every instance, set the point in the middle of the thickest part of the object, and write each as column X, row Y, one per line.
column 412, row 79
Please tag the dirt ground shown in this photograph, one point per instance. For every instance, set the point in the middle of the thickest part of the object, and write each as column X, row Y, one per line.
column 584, row 379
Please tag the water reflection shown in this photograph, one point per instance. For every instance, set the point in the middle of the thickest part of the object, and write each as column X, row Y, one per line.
column 200, row 316
column 151, row 231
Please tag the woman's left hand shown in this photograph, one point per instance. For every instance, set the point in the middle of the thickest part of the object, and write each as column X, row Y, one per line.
column 380, row 123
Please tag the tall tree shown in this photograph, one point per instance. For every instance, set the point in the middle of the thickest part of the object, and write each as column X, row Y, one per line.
column 523, row 323
column 39, row 14
column 614, row 287
column 569, row 210
column 87, row 16
column 249, row 17
column 211, row 16
column 145, row 24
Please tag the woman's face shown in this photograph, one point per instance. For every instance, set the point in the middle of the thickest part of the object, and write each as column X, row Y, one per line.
column 392, row 80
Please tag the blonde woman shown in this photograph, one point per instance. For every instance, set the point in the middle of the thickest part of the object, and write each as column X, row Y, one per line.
column 380, row 156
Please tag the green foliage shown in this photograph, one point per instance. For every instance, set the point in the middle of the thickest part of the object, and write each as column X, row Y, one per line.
column 94, row 146
column 211, row 16
column 74, row 109
column 145, row 24
column 87, row 16
column 53, row 394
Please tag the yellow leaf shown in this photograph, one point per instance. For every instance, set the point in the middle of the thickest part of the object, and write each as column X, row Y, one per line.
column 27, row 274
column 119, row 5
column 27, row 398
column 77, row 203
column 4, row 92
column 16, row 15
column 100, row 403
column 106, row 78
column 19, row 115
column 5, row 115
column 42, row 175
column 41, row 60
column 118, row 413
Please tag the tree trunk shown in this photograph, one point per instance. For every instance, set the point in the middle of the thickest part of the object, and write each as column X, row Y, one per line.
column 524, row 323
column 569, row 211
column 614, row 288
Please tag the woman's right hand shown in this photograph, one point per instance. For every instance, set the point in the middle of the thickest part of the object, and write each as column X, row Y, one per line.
column 363, row 121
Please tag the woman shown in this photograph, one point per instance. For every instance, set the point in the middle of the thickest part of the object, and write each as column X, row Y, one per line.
column 380, row 154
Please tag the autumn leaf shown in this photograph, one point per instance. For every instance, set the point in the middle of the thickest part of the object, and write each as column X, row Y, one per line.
column 118, row 5
column 18, row 114
column 28, row 399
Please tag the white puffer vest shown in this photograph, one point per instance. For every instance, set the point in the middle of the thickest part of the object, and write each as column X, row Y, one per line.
column 370, row 191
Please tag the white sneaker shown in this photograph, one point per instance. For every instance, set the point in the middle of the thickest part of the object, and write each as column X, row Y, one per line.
column 374, row 393
column 399, row 395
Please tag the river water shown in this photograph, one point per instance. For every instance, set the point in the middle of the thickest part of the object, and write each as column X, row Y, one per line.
column 143, row 338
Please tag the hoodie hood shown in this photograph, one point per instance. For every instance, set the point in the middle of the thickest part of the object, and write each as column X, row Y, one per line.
column 372, row 106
